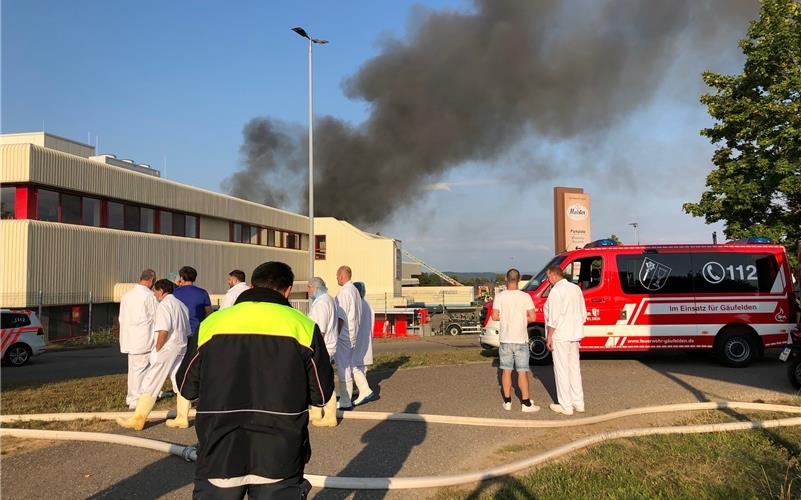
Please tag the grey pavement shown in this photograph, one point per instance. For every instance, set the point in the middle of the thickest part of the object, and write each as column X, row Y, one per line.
column 81, row 363
column 367, row 448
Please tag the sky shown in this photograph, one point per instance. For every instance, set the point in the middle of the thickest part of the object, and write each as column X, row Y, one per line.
column 172, row 84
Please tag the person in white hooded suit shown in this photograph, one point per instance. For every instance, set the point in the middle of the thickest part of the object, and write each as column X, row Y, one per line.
column 363, row 352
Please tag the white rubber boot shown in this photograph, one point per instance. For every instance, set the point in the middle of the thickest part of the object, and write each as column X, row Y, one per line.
column 144, row 405
column 329, row 414
column 365, row 392
column 345, row 395
column 181, row 420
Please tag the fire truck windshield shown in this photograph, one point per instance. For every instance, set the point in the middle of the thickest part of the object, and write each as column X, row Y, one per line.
column 538, row 278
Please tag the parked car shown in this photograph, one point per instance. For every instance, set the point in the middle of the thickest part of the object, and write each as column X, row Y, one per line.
column 734, row 299
column 21, row 337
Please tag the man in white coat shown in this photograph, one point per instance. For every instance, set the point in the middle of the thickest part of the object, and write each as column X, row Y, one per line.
column 350, row 302
column 137, row 312
column 236, row 285
column 324, row 312
column 363, row 352
column 565, row 314
column 170, row 332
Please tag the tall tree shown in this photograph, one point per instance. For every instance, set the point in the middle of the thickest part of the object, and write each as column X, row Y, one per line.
column 756, row 185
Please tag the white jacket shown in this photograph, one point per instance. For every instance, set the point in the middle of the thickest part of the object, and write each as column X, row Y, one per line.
column 232, row 294
column 350, row 301
column 566, row 311
column 363, row 352
column 137, row 313
column 323, row 311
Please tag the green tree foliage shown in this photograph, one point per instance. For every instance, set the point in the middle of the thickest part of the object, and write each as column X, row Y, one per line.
column 615, row 239
column 430, row 279
column 756, row 185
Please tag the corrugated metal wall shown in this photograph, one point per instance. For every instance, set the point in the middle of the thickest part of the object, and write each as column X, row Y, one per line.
column 30, row 163
column 67, row 261
column 372, row 259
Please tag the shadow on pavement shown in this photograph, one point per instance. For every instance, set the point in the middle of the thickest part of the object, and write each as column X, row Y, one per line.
column 508, row 487
column 153, row 481
column 384, row 372
column 386, row 448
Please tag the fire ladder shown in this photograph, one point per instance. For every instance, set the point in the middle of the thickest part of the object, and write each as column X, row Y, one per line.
column 434, row 270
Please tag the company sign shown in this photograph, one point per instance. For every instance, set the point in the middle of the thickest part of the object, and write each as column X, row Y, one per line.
column 576, row 220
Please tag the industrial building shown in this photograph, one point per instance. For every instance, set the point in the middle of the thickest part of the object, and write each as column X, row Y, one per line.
column 78, row 228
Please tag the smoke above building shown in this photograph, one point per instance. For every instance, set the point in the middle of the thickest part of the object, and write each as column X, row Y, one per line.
column 469, row 86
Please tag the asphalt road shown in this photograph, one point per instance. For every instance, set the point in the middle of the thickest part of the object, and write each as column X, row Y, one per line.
column 363, row 448
column 80, row 363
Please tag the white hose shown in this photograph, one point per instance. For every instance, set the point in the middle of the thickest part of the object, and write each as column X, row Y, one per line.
column 387, row 483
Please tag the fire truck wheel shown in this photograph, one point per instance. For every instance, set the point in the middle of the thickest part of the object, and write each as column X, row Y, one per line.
column 453, row 329
column 794, row 372
column 736, row 348
column 537, row 347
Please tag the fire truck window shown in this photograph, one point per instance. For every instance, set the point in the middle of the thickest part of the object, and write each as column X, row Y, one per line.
column 586, row 272
column 655, row 273
column 733, row 272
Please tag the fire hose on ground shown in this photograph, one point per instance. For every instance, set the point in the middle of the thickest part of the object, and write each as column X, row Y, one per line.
column 396, row 483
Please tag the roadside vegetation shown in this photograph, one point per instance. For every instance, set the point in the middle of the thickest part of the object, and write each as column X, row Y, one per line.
column 743, row 464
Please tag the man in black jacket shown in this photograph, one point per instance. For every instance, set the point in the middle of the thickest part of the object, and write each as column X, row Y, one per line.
column 259, row 365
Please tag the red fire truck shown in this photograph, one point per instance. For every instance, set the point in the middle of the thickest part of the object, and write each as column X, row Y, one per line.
column 735, row 299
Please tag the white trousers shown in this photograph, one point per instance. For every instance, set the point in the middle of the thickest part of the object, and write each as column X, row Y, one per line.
column 567, row 373
column 162, row 365
column 137, row 365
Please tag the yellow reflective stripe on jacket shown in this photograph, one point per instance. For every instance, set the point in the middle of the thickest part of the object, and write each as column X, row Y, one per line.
column 258, row 318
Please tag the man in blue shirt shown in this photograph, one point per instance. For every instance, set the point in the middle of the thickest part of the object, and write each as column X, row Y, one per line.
column 195, row 299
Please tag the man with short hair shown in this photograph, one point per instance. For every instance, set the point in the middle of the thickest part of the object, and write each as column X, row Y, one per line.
column 258, row 367
column 170, row 331
column 137, row 312
column 565, row 314
column 324, row 312
column 236, row 285
column 515, row 310
column 350, row 302
column 363, row 352
column 196, row 299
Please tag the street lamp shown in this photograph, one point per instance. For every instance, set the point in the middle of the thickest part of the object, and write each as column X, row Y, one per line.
column 300, row 31
column 636, row 226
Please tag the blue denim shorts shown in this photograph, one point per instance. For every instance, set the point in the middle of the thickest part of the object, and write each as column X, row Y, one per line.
column 514, row 356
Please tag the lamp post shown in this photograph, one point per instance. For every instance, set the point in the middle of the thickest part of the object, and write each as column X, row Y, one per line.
column 300, row 31
column 636, row 226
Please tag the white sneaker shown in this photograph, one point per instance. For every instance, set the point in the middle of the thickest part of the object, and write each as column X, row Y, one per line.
column 559, row 409
column 530, row 409
column 578, row 408
column 507, row 406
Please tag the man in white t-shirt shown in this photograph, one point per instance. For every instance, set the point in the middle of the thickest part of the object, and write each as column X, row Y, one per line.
column 170, row 332
column 515, row 310
column 236, row 285
column 565, row 314
column 137, row 312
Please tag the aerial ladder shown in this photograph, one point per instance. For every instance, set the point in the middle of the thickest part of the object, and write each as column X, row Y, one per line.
column 434, row 270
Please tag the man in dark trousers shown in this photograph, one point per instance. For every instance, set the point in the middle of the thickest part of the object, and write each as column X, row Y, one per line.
column 258, row 367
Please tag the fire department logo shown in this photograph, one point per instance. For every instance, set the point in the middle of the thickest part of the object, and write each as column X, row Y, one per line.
column 653, row 275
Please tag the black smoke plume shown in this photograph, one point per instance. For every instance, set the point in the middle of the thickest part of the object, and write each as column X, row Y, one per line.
column 469, row 86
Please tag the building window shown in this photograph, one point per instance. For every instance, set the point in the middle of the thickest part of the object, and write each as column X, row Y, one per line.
column 70, row 209
column 178, row 224
column 293, row 241
column 132, row 218
column 8, row 201
column 91, row 212
column 165, row 222
column 116, row 215
column 191, row 226
column 254, row 235
column 263, row 238
column 47, row 205
column 319, row 247
column 273, row 238
column 236, row 232
column 147, row 220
